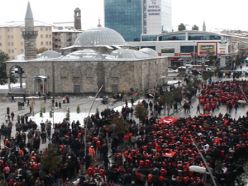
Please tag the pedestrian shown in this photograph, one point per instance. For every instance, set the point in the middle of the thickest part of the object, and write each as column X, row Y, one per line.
column 132, row 101
column 175, row 107
column 24, row 98
column 198, row 111
column 12, row 115
column 150, row 105
column 8, row 111
column 53, row 101
column 12, row 98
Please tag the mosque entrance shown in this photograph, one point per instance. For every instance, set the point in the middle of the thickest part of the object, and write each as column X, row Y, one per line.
column 40, row 85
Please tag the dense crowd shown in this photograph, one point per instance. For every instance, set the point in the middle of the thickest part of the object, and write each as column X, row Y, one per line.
column 229, row 93
column 119, row 150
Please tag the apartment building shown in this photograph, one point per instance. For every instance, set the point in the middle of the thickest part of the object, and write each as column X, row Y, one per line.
column 11, row 39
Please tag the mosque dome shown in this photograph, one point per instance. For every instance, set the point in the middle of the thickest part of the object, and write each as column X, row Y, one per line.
column 86, row 54
column 99, row 36
column 49, row 54
column 149, row 51
column 129, row 54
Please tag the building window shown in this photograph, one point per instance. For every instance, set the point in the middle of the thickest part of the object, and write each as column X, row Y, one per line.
column 46, row 35
column 41, row 36
column 0, row 44
column 171, row 37
column 41, row 43
column 187, row 49
column 168, row 50
column 46, row 42
column 149, row 38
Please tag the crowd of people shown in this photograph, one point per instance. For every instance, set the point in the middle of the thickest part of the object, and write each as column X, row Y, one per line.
column 229, row 93
column 114, row 148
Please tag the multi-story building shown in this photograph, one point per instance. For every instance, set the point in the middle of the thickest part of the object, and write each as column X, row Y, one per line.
column 131, row 18
column 11, row 40
column 64, row 35
column 190, row 46
column 124, row 16
column 156, row 16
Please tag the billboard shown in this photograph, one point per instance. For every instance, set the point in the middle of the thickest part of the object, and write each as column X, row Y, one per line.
column 222, row 48
column 206, row 49
column 153, row 16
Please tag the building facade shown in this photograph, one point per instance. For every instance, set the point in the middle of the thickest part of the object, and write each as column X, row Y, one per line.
column 124, row 16
column 74, row 77
column 97, row 58
column 189, row 46
column 63, row 35
column 12, row 42
column 15, row 35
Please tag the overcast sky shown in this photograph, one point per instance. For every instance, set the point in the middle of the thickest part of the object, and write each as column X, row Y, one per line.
column 222, row 14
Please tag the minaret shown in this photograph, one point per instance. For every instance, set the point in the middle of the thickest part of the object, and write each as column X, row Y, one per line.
column 29, row 35
column 204, row 26
column 99, row 23
column 77, row 19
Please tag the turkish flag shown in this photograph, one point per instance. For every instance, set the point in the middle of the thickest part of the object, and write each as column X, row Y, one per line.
column 167, row 120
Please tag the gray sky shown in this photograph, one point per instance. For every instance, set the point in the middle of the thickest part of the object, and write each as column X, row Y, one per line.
column 226, row 14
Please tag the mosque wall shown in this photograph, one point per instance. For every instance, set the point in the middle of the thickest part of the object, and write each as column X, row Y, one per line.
column 87, row 76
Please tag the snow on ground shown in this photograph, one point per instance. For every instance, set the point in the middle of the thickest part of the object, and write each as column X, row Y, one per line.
column 15, row 85
column 119, row 108
column 59, row 116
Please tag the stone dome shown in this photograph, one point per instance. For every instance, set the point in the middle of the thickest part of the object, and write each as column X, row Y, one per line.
column 87, row 54
column 49, row 54
column 99, row 36
column 149, row 51
column 129, row 54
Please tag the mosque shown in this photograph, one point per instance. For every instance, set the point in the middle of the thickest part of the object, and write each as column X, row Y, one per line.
column 99, row 57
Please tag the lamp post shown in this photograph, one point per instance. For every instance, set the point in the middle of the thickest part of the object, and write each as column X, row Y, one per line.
column 85, row 128
column 204, row 161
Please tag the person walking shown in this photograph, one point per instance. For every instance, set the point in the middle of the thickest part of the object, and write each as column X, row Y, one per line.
column 198, row 111
column 12, row 115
